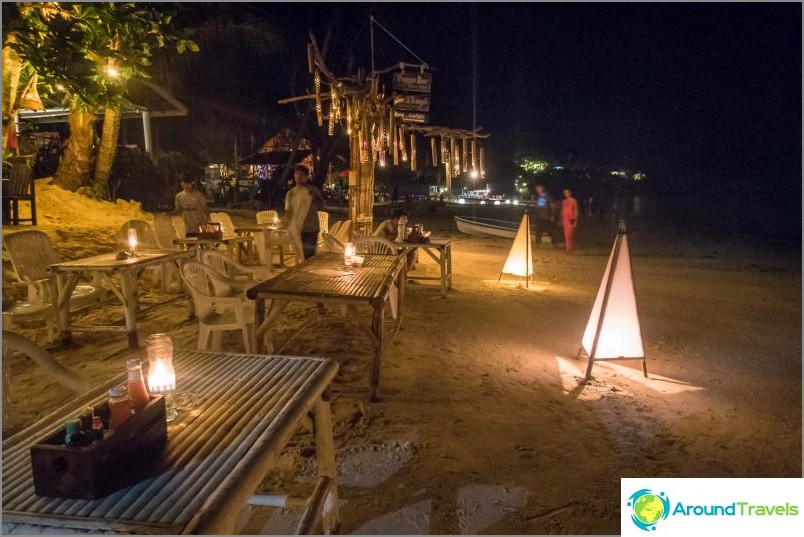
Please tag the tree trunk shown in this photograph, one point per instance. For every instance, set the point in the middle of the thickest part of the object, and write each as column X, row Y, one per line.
column 108, row 145
column 76, row 161
column 12, row 67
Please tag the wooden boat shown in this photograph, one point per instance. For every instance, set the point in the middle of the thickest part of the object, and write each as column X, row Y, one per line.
column 486, row 227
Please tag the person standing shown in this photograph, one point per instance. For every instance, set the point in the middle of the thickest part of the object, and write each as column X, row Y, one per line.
column 191, row 205
column 302, row 204
column 545, row 219
column 569, row 217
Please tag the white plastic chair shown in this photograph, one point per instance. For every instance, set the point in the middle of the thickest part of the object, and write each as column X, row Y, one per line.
column 267, row 217
column 31, row 254
column 331, row 244
column 216, row 308
column 335, row 227
column 146, row 238
column 227, row 226
column 178, row 225
column 245, row 276
column 323, row 227
column 344, row 233
column 380, row 246
column 378, row 232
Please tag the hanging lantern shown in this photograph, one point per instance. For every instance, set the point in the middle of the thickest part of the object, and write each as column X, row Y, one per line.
column 433, row 152
column 402, row 147
column 318, row 111
column 482, row 166
column 31, row 99
column 456, row 164
column 412, row 152
column 393, row 142
column 333, row 107
column 474, row 155
column 348, row 117
column 465, row 148
column 444, row 150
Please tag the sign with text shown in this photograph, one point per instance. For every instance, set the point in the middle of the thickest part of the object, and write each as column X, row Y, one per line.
column 412, row 102
column 413, row 81
column 413, row 117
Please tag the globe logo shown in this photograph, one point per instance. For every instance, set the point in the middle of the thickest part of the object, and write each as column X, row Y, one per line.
column 648, row 508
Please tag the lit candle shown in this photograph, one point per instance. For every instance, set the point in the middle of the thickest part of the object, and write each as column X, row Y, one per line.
column 161, row 375
column 132, row 240
column 348, row 252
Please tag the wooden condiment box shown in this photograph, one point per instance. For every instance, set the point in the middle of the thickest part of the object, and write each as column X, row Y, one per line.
column 132, row 453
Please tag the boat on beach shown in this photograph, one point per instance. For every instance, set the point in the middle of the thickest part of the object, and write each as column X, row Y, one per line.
column 490, row 227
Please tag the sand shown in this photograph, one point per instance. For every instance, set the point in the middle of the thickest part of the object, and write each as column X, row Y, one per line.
column 483, row 426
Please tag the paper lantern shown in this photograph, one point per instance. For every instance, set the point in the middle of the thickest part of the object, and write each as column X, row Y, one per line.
column 613, row 331
column 520, row 257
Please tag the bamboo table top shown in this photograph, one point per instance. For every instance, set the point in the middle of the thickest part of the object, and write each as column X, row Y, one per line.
column 249, row 407
column 195, row 241
column 109, row 262
column 434, row 243
column 325, row 276
column 256, row 228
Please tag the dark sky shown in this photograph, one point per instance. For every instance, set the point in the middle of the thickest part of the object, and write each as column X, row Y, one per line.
column 697, row 91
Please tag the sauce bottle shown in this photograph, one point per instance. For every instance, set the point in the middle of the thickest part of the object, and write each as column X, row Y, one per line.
column 74, row 436
column 137, row 392
column 119, row 407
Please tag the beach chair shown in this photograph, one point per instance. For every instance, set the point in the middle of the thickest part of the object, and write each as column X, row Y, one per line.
column 31, row 254
column 216, row 307
column 267, row 217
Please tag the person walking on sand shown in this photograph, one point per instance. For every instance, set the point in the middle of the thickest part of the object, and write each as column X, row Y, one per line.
column 302, row 204
column 191, row 205
column 569, row 217
column 545, row 217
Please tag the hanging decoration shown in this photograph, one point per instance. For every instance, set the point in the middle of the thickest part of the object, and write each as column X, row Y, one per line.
column 482, row 165
column 474, row 160
column 433, row 152
column 318, row 112
column 402, row 147
column 465, row 159
column 30, row 98
column 412, row 152
column 333, row 111
column 456, row 165
column 348, row 117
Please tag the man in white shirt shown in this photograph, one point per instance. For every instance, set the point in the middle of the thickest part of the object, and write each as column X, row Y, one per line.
column 192, row 206
column 302, row 204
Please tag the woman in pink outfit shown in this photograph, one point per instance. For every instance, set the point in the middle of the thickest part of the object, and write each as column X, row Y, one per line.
column 569, row 217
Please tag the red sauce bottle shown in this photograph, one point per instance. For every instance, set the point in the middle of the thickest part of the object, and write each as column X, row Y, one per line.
column 119, row 407
column 137, row 392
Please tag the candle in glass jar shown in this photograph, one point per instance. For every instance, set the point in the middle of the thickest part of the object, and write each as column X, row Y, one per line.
column 132, row 239
column 348, row 253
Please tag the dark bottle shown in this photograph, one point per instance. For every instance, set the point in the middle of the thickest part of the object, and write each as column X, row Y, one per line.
column 86, row 418
column 97, row 428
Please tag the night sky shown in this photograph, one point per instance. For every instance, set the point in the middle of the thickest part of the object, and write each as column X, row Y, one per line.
column 700, row 96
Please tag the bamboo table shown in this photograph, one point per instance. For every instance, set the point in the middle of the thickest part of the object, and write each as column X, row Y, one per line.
column 105, row 266
column 440, row 251
column 355, row 286
column 249, row 407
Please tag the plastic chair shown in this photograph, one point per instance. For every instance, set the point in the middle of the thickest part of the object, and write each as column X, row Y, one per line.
column 378, row 232
column 323, row 227
column 165, row 231
column 147, row 238
column 31, row 254
column 244, row 275
column 19, row 186
column 216, row 308
column 335, row 227
column 344, row 233
column 267, row 217
column 227, row 226
column 331, row 244
column 178, row 225
column 380, row 246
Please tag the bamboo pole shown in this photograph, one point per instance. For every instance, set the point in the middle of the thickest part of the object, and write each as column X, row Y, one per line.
column 433, row 152
column 412, row 152
column 465, row 150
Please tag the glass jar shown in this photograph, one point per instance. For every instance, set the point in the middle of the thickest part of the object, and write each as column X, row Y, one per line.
column 161, row 375
column 119, row 407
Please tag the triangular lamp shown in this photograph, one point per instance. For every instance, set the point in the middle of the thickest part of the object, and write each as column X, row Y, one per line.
column 31, row 99
column 520, row 257
column 613, row 332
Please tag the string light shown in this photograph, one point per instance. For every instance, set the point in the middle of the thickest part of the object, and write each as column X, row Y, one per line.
column 333, row 111
column 402, row 147
column 412, row 152
column 318, row 111
column 348, row 117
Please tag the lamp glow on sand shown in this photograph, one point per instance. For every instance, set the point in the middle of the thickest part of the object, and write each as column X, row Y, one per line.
column 572, row 371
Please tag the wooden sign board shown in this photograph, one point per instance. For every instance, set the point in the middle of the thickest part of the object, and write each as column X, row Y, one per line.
column 413, row 81
column 412, row 102
column 413, row 117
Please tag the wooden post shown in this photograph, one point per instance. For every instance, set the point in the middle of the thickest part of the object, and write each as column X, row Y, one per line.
column 377, row 330
column 128, row 287
column 325, row 455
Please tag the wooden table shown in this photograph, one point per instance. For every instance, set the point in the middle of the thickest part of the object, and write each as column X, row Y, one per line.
column 104, row 266
column 217, row 454
column 440, row 251
column 308, row 282
column 235, row 245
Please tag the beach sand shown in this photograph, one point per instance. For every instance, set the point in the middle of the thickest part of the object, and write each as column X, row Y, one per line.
column 483, row 426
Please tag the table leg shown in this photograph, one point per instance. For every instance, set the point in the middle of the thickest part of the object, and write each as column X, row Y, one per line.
column 128, row 281
column 65, row 284
column 325, row 453
column 377, row 330
column 448, row 253
column 264, row 331
column 442, row 263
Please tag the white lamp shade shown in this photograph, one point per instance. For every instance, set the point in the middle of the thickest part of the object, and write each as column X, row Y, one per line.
column 520, row 256
column 620, row 335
